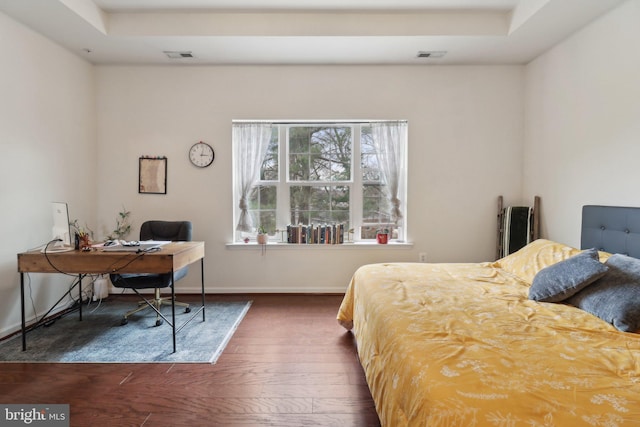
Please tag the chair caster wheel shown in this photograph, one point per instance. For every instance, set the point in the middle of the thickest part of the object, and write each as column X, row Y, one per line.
column 187, row 310
column 159, row 322
column 124, row 321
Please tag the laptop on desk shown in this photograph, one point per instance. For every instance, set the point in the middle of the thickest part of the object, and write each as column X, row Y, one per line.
column 135, row 246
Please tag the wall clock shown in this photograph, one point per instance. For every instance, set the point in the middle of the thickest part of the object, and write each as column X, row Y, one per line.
column 201, row 154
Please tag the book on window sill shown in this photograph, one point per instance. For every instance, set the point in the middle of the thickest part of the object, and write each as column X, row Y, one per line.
column 326, row 234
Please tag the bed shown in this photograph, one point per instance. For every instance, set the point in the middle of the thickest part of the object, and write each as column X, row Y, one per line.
column 464, row 345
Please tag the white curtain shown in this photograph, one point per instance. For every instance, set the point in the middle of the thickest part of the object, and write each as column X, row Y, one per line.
column 250, row 143
column 389, row 139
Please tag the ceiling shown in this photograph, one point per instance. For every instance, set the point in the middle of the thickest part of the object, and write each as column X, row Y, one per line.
column 306, row 31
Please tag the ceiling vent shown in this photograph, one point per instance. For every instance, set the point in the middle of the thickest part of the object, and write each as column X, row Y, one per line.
column 178, row 54
column 431, row 53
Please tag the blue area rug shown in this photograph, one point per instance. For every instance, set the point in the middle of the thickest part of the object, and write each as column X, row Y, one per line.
column 100, row 338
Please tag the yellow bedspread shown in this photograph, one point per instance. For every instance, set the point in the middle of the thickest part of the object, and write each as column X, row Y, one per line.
column 462, row 345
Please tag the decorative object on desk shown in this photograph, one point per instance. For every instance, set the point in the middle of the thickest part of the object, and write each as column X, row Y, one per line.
column 123, row 226
column 83, row 241
column 152, row 175
column 201, row 154
column 99, row 338
column 83, row 235
column 382, row 236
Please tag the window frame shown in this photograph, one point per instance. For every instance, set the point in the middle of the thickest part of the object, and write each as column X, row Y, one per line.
column 355, row 184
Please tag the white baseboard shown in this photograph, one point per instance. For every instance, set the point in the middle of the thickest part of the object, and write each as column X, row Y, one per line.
column 17, row 327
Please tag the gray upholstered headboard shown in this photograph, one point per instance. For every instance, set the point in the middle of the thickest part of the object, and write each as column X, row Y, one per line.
column 611, row 229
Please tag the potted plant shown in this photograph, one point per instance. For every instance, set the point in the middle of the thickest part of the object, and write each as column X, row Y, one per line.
column 382, row 236
column 123, row 226
column 262, row 236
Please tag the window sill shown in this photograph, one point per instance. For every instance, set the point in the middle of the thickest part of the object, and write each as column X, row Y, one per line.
column 347, row 246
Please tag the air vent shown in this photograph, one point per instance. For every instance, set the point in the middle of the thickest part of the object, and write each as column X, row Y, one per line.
column 431, row 53
column 178, row 54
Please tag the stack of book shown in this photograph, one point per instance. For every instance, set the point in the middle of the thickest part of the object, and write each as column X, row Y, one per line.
column 327, row 234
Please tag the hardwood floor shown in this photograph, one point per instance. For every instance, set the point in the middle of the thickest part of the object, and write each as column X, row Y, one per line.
column 288, row 364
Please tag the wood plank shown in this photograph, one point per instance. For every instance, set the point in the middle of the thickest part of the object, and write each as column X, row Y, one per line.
column 173, row 255
column 299, row 370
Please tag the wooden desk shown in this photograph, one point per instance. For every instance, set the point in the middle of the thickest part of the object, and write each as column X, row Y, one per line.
column 171, row 257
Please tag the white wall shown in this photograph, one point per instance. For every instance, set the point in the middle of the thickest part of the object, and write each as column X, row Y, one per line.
column 465, row 149
column 582, row 112
column 47, row 136
column 73, row 132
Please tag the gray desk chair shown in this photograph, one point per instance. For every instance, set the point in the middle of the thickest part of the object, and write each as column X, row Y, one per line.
column 156, row 230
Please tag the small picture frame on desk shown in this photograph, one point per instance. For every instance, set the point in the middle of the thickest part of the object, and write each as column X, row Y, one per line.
column 152, row 175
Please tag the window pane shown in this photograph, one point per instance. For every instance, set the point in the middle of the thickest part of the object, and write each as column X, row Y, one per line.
column 370, row 169
column 269, row 171
column 254, row 199
column 319, row 204
column 268, row 197
column 299, row 138
column 369, row 157
column 366, row 140
column 319, row 162
column 340, row 198
column 262, row 207
column 268, row 221
column 299, row 167
column 320, row 198
column 336, row 143
column 300, row 198
column 376, row 212
column 340, row 171
column 376, row 208
column 368, row 231
column 320, row 153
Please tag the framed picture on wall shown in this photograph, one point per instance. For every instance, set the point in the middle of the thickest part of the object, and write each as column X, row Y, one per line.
column 152, row 175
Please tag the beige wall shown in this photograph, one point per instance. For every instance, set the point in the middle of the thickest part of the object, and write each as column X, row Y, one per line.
column 564, row 127
column 47, row 136
column 582, row 120
column 73, row 132
column 465, row 148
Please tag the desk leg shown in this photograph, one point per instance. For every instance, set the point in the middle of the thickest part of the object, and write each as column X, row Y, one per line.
column 80, row 294
column 24, row 322
column 46, row 315
column 173, row 310
column 202, row 283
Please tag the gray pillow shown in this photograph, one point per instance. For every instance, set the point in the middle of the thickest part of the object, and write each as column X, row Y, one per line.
column 565, row 278
column 615, row 297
